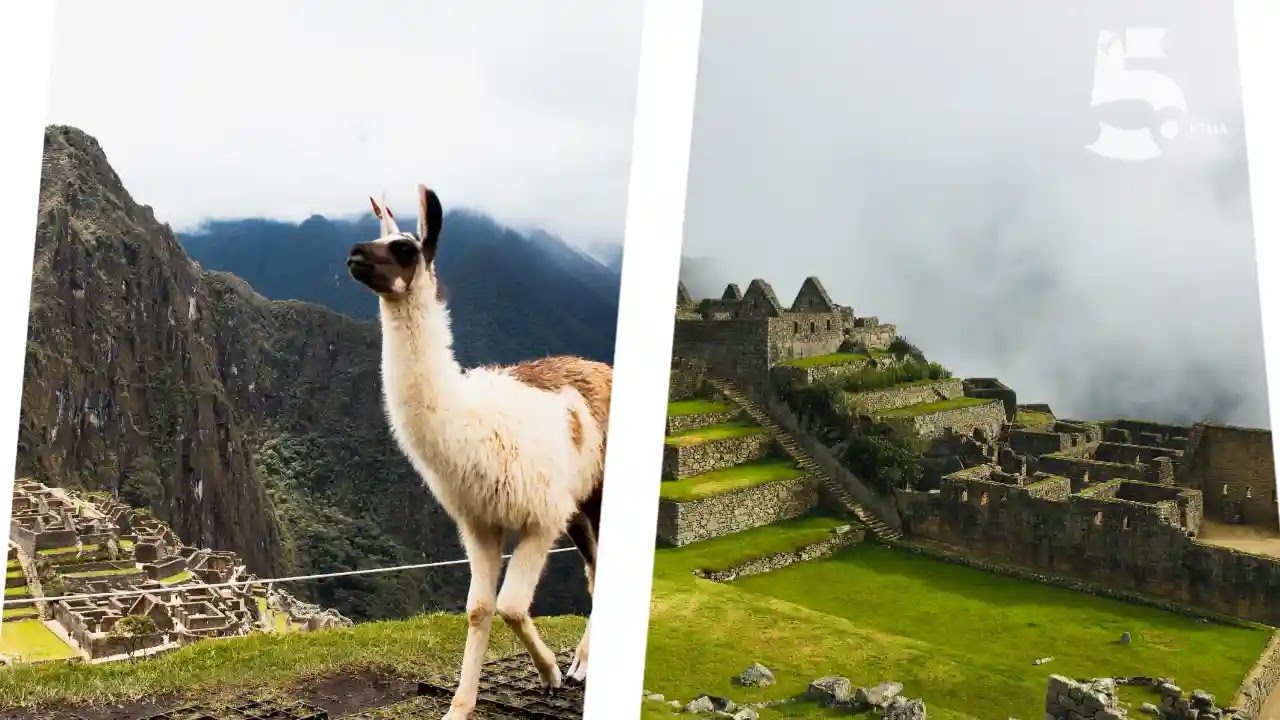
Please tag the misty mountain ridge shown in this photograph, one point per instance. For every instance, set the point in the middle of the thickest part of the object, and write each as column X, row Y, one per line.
column 495, row 279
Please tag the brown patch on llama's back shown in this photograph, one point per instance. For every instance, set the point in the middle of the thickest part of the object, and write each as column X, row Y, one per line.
column 593, row 381
column 575, row 428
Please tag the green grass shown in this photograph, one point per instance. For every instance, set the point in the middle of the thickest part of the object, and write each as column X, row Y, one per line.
column 737, row 428
column 1032, row 418
column 725, row 552
column 16, row 592
column 961, row 639
column 825, row 360
column 681, row 408
column 13, row 574
column 719, row 482
column 14, row 564
column 65, row 550
column 101, row 573
column 177, row 577
column 33, row 641
column 19, row 612
column 267, row 662
column 938, row 406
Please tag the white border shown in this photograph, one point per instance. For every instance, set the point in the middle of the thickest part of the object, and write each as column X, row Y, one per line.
column 1257, row 23
column 642, row 358
column 26, row 39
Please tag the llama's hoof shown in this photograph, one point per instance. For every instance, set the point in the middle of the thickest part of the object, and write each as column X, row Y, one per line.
column 552, row 683
column 457, row 714
column 577, row 673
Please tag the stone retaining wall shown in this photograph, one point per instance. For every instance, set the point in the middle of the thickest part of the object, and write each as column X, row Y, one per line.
column 990, row 417
column 681, row 461
column 682, row 423
column 1261, row 680
column 681, row 523
column 841, row 537
column 901, row 396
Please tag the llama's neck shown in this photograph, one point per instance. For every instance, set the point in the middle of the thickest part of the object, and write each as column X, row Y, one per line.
column 418, row 367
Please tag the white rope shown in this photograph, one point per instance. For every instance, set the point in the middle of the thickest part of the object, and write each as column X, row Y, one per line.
column 247, row 583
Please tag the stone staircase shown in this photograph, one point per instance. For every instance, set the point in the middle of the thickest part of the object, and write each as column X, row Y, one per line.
column 789, row 444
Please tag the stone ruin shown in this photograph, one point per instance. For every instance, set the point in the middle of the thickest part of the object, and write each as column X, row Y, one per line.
column 313, row 617
column 1067, row 699
column 91, row 543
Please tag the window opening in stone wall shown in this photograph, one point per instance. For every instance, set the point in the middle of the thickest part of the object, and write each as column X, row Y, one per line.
column 964, row 496
column 983, row 500
column 1224, row 491
column 1125, row 523
column 1248, row 492
column 1097, row 519
column 828, row 326
column 813, row 327
column 796, row 330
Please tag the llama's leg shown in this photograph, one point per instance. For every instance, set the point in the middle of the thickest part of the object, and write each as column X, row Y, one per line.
column 578, row 670
column 516, row 597
column 484, row 551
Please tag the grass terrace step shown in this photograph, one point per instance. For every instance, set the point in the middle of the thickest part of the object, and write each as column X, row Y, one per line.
column 681, row 408
column 716, row 432
column 177, row 577
column 831, row 359
column 929, row 408
column 726, row 480
column 102, row 573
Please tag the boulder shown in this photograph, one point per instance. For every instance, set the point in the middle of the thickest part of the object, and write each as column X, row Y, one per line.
column 879, row 696
column 1125, row 639
column 746, row 714
column 756, row 676
column 902, row 709
column 830, row 690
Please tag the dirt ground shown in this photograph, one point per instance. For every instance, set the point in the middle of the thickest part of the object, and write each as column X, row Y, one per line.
column 1242, row 537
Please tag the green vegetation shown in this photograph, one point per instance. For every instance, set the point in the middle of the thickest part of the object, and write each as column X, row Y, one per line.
column 12, row 574
column 884, row 456
column 681, row 408
column 825, row 360
column 903, row 348
column 732, row 429
column 102, row 573
column 267, row 662
column 178, row 577
column 19, row 612
column 72, row 550
column 960, row 638
column 1033, row 419
column 16, row 592
column 32, row 641
column 719, row 482
column 911, row 411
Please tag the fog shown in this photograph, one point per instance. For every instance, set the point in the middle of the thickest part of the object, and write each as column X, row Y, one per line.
column 926, row 159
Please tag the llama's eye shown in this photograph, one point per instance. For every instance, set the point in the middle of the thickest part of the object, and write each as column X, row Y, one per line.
column 404, row 252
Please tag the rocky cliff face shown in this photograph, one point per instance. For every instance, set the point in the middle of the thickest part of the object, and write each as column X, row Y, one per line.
column 246, row 424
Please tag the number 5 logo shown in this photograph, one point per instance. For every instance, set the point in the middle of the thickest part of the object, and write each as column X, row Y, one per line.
column 1113, row 80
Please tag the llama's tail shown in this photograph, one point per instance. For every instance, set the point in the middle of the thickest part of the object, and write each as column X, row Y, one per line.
column 584, row 529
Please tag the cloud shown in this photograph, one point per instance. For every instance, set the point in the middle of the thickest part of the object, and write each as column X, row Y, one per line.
column 926, row 160
column 289, row 108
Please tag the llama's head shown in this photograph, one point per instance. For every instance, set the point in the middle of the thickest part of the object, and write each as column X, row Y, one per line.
column 400, row 262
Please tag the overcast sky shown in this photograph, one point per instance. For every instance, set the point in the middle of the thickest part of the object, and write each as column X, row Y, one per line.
column 287, row 108
column 926, row 159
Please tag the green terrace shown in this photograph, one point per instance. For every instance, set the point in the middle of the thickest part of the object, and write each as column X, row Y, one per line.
column 107, row 572
column 832, row 359
column 682, row 408
column 19, row 613
column 32, row 641
column 1033, row 419
column 177, row 577
column 726, row 480
column 930, row 408
column 960, row 638
column 723, row 431
column 17, row 592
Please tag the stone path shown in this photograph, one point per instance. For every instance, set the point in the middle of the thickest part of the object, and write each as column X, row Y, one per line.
column 789, row 444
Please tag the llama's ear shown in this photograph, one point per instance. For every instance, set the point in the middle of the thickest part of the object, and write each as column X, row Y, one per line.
column 383, row 213
column 430, row 217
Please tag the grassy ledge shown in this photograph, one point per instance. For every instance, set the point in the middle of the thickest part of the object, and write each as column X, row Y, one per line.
column 825, row 360
column 719, row 482
column 268, row 662
column 937, row 406
column 1033, row 419
column 715, row 432
column 682, row 408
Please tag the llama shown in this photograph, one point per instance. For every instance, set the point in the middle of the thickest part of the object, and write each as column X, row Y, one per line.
column 515, row 449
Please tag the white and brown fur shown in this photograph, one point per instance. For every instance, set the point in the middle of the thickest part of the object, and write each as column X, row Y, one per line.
column 515, row 449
